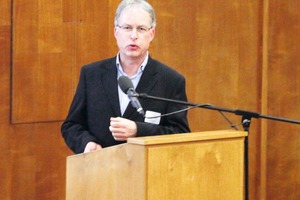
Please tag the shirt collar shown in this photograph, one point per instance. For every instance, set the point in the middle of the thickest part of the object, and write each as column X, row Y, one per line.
column 140, row 70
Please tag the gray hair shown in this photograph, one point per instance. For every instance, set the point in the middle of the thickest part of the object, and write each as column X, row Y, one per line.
column 141, row 3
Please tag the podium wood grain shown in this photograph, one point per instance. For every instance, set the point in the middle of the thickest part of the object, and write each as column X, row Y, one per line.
column 204, row 165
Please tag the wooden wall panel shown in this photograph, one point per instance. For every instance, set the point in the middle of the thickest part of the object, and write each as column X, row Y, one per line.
column 39, row 162
column 52, row 39
column 218, row 45
column 5, row 131
column 41, row 59
column 214, row 44
column 283, row 140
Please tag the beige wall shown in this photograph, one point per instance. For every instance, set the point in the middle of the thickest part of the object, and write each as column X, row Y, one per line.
column 234, row 54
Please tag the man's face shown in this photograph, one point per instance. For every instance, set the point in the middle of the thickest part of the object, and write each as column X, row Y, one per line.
column 134, row 33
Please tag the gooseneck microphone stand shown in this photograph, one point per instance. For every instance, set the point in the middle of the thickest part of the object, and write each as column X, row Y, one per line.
column 246, row 120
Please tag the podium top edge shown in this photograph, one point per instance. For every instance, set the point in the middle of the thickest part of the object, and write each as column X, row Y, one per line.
column 187, row 137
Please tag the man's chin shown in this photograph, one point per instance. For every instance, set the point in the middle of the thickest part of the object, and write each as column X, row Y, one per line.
column 133, row 55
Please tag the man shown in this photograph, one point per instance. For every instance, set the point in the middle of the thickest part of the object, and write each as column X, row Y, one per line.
column 101, row 114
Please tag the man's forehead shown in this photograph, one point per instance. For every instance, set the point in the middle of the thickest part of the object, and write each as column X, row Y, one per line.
column 135, row 15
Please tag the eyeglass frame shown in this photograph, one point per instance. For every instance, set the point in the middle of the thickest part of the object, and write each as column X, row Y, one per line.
column 139, row 29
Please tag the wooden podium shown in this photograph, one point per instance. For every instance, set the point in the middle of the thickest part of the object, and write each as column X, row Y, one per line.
column 203, row 165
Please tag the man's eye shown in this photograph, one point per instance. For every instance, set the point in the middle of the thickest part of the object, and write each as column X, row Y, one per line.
column 127, row 28
column 142, row 29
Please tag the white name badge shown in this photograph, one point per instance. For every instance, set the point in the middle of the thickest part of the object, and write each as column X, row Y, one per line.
column 152, row 117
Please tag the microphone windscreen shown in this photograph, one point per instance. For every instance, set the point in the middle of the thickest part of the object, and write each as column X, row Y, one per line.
column 125, row 83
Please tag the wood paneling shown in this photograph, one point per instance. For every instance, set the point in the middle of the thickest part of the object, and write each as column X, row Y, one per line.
column 39, row 156
column 217, row 46
column 52, row 40
column 5, row 131
column 283, row 97
column 5, row 142
column 234, row 54
column 214, row 44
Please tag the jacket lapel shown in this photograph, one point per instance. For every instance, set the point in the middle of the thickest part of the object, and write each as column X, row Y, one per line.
column 146, row 83
column 110, row 84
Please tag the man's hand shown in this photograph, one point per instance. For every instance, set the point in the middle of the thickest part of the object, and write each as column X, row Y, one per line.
column 92, row 146
column 122, row 128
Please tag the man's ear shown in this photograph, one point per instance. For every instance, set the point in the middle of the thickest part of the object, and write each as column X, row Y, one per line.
column 115, row 32
column 152, row 33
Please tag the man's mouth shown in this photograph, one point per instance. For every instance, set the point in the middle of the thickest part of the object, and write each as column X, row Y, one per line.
column 132, row 46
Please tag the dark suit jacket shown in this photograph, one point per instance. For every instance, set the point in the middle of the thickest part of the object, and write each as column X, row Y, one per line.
column 96, row 100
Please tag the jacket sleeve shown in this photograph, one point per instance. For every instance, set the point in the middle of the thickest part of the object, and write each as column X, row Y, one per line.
column 175, row 123
column 75, row 129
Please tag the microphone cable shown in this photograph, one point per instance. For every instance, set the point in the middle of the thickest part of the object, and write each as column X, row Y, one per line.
column 178, row 111
column 232, row 125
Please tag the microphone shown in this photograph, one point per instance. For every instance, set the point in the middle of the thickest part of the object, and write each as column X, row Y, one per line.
column 127, row 87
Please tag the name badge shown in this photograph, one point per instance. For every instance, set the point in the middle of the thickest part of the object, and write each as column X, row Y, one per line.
column 152, row 117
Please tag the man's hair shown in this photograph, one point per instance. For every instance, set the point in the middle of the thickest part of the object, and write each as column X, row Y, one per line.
column 138, row 3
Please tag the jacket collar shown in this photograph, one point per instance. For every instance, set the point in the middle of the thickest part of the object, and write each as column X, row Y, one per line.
column 145, row 85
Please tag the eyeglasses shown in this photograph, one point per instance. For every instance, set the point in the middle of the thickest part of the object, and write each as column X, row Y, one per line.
column 139, row 29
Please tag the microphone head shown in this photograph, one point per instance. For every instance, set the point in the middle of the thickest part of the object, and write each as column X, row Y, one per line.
column 125, row 83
